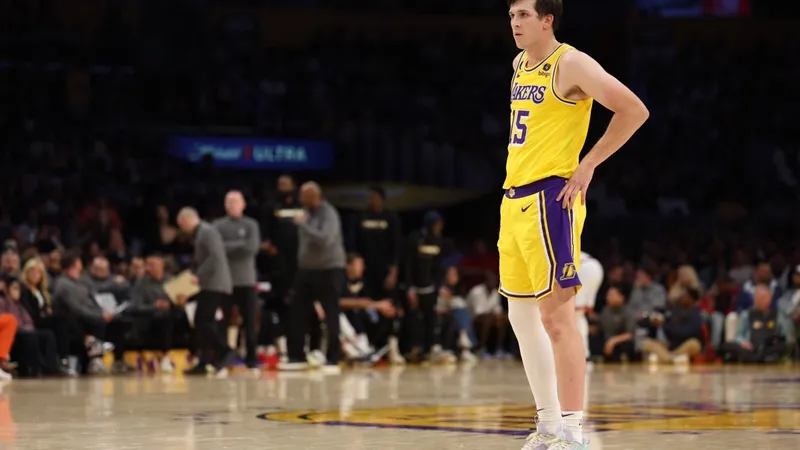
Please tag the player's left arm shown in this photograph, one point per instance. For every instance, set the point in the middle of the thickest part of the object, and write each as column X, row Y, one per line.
column 581, row 71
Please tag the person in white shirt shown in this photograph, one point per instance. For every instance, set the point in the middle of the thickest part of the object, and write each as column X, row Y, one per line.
column 591, row 275
column 484, row 303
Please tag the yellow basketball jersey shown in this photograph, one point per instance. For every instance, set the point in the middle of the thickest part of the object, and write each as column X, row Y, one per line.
column 547, row 130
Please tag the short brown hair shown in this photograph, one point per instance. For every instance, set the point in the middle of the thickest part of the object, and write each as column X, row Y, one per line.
column 546, row 7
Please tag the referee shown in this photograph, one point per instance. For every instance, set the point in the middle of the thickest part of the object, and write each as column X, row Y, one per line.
column 214, row 279
column 242, row 239
column 320, row 277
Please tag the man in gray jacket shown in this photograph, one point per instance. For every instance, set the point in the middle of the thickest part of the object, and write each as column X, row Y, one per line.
column 242, row 239
column 214, row 279
column 85, row 314
column 152, row 310
column 320, row 276
column 100, row 281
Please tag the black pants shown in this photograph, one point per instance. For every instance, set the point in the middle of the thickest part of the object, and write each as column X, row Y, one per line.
column 35, row 350
column 114, row 332
column 377, row 331
column 59, row 326
column 211, row 344
column 423, row 323
column 733, row 352
column 157, row 329
column 246, row 302
column 275, row 322
column 314, row 332
column 624, row 348
column 323, row 286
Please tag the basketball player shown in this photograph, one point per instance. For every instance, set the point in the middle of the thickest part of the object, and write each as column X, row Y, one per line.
column 543, row 209
column 591, row 276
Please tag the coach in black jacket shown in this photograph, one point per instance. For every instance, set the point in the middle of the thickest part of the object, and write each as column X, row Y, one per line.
column 214, row 279
column 378, row 239
column 423, row 275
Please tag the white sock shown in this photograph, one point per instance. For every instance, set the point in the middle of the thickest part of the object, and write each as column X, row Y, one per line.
column 573, row 420
column 538, row 359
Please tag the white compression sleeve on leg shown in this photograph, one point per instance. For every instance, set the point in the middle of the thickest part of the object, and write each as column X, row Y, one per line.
column 538, row 359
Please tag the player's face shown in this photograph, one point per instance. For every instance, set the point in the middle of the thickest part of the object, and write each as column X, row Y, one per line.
column 528, row 28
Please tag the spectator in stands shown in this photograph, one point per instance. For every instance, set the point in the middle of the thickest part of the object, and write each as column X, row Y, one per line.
column 717, row 304
column 474, row 265
column 52, row 263
column 687, row 279
column 762, row 334
column 153, row 311
column 98, row 216
column 683, row 329
column 34, row 350
column 371, row 318
column 99, row 229
column 762, row 275
column 101, row 281
column 117, row 250
column 647, row 299
column 741, row 270
column 378, row 238
column 617, row 327
column 488, row 313
column 136, row 270
column 615, row 276
column 648, row 295
column 163, row 237
column 87, row 316
column 8, row 329
column 789, row 302
column 36, row 299
column 423, row 274
column 457, row 331
column 27, row 231
column 10, row 264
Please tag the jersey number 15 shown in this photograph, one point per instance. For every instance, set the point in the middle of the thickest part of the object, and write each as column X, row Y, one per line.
column 519, row 129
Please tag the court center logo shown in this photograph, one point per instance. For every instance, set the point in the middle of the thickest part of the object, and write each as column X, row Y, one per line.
column 517, row 420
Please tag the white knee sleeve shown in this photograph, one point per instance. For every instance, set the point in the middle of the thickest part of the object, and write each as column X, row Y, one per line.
column 537, row 357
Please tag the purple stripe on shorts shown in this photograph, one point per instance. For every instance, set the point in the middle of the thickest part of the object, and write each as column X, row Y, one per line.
column 537, row 186
column 548, row 246
column 559, row 224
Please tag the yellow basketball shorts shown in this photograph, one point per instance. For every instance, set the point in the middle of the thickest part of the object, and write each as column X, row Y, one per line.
column 539, row 240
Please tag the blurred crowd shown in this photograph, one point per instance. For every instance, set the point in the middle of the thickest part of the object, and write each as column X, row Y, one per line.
column 708, row 185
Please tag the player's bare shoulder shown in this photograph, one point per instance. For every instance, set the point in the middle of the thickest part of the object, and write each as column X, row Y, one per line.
column 571, row 64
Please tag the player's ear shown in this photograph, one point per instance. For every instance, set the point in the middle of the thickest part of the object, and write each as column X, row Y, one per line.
column 548, row 21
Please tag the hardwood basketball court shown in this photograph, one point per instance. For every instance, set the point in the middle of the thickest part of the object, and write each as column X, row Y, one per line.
column 486, row 406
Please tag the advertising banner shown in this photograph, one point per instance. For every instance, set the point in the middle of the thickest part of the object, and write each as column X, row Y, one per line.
column 254, row 153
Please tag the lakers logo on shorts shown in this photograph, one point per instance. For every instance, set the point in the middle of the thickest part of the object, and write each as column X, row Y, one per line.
column 568, row 272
